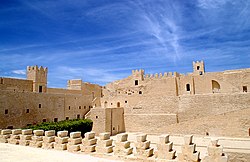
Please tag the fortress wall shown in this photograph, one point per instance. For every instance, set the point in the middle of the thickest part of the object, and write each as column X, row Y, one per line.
column 52, row 106
column 197, row 106
column 16, row 84
column 148, row 123
column 63, row 91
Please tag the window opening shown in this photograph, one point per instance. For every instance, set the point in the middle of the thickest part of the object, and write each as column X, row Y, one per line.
column 188, row 87
column 244, row 88
column 136, row 82
column 40, row 89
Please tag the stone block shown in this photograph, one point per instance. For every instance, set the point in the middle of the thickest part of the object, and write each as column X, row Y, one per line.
column 165, row 147
column 25, row 137
column 89, row 142
column 48, row 145
column 73, row 148
column 188, row 139
column 27, row 132
column 163, row 139
column 75, row 135
column 122, row 145
column 24, row 142
column 36, row 144
column 13, row 141
column 142, row 145
column 166, row 155
column 104, row 150
column 104, row 136
column 87, row 149
column 38, row 132
column 37, row 138
column 50, row 133
column 61, row 140
column 16, row 131
column 123, row 152
column 74, row 141
column 121, row 137
column 141, row 138
column 48, row 139
column 15, row 137
column 5, row 132
column 104, row 143
column 60, row 146
column 89, row 135
column 62, row 133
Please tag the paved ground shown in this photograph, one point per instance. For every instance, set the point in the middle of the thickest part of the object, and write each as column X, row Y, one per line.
column 14, row 153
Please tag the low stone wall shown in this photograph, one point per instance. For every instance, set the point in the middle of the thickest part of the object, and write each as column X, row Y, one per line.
column 118, row 146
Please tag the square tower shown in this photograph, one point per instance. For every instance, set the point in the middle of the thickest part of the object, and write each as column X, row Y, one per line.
column 198, row 68
column 39, row 77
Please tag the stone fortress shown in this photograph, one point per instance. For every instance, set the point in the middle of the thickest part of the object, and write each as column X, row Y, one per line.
column 195, row 103
column 206, row 104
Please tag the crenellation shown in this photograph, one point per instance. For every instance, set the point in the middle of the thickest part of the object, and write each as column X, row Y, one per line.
column 37, row 139
column 215, row 153
column 89, row 142
column 104, row 144
column 74, row 141
column 25, row 137
column 61, row 140
column 49, row 139
column 142, row 146
column 15, row 136
column 122, row 146
column 189, row 152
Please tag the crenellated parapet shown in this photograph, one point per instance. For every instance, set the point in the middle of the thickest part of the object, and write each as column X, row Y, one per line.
column 161, row 75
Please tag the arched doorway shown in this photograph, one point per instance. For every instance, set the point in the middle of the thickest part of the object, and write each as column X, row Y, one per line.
column 215, row 86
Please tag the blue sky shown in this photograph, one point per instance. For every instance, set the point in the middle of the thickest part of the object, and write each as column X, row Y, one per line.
column 101, row 41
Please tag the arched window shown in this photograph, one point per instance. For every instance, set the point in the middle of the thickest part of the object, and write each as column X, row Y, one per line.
column 215, row 86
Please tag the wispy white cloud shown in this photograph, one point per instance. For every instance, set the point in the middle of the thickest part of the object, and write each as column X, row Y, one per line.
column 19, row 72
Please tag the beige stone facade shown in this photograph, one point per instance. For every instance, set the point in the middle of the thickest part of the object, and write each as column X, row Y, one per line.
column 27, row 102
column 194, row 103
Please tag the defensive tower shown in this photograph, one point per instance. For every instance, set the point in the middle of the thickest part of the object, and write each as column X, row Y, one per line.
column 198, row 67
column 39, row 77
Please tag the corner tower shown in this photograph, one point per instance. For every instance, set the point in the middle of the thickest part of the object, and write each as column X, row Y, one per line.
column 198, row 68
column 39, row 77
column 138, row 76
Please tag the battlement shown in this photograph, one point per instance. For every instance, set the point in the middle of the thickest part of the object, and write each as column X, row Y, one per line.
column 36, row 68
column 137, row 71
column 162, row 75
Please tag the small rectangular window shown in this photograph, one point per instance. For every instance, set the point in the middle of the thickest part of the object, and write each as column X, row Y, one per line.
column 67, row 118
column 40, row 89
column 78, row 116
column 44, row 120
column 40, row 105
column 126, row 101
column 29, row 124
column 140, row 92
column 136, row 82
column 6, row 111
column 55, row 119
column 69, row 107
column 27, row 111
column 200, row 73
column 80, row 107
column 198, row 67
column 244, row 88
